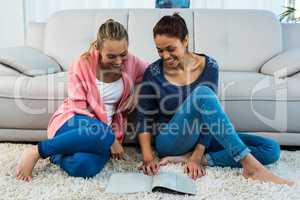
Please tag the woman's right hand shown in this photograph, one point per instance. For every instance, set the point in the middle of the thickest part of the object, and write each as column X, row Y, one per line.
column 117, row 151
column 150, row 166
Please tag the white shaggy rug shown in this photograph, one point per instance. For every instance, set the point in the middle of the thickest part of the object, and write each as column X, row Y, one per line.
column 49, row 182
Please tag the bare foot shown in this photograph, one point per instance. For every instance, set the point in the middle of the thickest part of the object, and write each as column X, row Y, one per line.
column 174, row 159
column 26, row 163
column 253, row 169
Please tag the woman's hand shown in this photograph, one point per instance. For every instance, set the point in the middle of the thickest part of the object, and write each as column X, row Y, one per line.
column 117, row 151
column 194, row 169
column 130, row 104
column 150, row 166
column 132, row 101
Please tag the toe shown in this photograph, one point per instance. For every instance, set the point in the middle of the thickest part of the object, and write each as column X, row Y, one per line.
column 17, row 171
column 20, row 177
column 291, row 183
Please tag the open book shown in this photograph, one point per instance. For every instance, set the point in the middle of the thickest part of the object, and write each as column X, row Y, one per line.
column 138, row 182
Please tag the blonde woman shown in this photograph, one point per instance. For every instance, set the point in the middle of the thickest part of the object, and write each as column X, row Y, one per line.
column 89, row 125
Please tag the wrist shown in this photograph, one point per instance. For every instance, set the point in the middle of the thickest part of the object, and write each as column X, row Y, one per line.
column 194, row 159
column 146, row 148
column 116, row 142
column 148, row 157
column 147, row 153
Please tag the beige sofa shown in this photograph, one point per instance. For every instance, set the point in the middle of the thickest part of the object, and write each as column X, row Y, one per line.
column 258, row 57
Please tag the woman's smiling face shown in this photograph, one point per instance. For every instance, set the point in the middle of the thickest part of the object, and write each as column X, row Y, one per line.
column 113, row 54
column 170, row 49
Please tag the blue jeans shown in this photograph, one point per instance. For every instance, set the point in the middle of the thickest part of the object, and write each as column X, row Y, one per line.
column 202, row 120
column 81, row 147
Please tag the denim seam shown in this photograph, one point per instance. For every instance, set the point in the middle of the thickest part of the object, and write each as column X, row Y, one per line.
column 209, row 159
column 241, row 154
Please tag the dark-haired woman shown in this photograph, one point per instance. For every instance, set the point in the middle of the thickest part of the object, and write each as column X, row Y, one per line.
column 178, row 105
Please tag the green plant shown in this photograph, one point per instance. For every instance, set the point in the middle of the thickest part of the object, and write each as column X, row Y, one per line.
column 289, row 15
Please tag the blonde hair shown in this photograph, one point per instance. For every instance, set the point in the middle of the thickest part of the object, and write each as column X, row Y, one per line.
column 109, row 30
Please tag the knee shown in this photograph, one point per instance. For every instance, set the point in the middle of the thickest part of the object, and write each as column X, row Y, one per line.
column 164, row 146
column 204, row 90
column 92, row 125
column 87, row 167
column 102, row 132
column 82, row 169
column 160, row 148
column 168, row 147
column 273, row 149
column 203, row 93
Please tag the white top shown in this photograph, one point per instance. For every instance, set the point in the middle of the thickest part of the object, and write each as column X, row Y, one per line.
column 110, row 94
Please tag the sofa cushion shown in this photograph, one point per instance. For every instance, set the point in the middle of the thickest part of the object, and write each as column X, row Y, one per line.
column 231, row 36
column 28, row 102
column 253, row 101
column 232, row 86
column 284, row 64
column 46, row 87
column 29, row 61
column 69, row 33
column 251, row 86
column 240, row 40
column 8, row 71
column 140, row 33
column 293, row 83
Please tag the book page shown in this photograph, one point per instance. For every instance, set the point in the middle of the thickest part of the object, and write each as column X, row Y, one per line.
column 129, row 183
column 175, row 182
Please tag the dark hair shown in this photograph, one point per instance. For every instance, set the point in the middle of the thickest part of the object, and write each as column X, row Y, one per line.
column 171, row 25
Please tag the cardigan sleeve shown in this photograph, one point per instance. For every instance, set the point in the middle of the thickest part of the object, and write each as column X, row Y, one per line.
column 76, row 86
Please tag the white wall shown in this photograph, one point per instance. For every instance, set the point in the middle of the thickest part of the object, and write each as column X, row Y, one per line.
column 11, row 23
column 275, row 6
column 40, row 10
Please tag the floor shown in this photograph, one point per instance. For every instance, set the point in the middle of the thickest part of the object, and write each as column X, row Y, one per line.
column 49, row 181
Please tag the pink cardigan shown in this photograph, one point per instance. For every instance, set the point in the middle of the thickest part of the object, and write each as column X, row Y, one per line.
column 84, row 97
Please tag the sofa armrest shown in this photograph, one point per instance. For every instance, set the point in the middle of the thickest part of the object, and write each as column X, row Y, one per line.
column 29, row 61
column 290, row 35
column 35, row 35
column 8, row 71
column 283, row 65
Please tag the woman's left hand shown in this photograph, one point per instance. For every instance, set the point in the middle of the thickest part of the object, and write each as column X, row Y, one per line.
column 194, row 169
